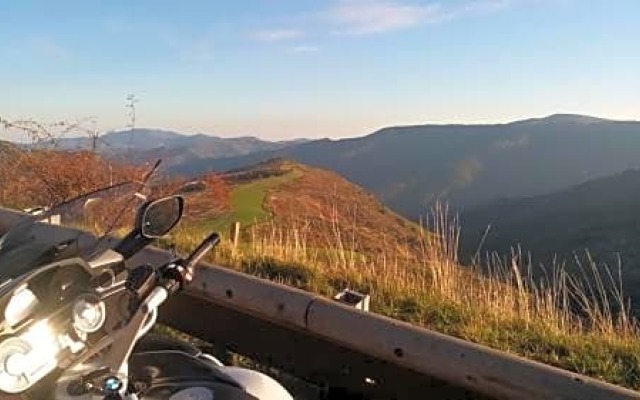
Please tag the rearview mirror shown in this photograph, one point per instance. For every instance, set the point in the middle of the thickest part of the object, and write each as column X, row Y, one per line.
column 160, row 216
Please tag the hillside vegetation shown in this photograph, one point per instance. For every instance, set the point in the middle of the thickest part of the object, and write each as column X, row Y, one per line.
column 45, row 178
column 505, row 309
column 561, row 320
column 315, row 205
column 410, row 167
column 601, row 216
column 247, row 203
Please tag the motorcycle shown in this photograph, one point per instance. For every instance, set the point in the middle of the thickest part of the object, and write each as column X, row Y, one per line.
column 76, row 315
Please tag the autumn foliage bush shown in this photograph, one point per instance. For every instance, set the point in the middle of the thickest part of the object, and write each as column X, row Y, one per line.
column 46, row 177
column 42, row 178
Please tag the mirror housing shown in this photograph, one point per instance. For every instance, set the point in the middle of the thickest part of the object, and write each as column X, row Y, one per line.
column 156, row 218
column 192, row 187
column 153, row 220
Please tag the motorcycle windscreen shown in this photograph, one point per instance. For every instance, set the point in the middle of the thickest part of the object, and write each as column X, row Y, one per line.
column 37, row 240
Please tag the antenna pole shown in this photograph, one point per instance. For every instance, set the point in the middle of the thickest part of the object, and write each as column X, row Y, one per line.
column 130, row 104
column 94, row 138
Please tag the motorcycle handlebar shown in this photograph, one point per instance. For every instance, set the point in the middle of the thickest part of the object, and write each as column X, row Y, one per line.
column 198, row 254
column 177, row 274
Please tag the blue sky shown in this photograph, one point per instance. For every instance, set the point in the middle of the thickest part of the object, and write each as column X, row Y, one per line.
column 323, row 68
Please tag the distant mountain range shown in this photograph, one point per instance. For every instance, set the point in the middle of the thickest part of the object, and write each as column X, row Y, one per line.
column 411, row 167
column 602, row 215
column 468, row 165
column 140, row 145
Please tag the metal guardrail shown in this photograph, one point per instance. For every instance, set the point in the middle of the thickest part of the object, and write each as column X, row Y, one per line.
column 330, row 344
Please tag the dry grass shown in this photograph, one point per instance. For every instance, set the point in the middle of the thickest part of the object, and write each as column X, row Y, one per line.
column 577, row 322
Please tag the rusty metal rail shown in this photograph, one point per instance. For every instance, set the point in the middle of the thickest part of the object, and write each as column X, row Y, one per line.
column 333, row 345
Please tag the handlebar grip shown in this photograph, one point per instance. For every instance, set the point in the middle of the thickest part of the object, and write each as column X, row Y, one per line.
column 175, row 275
column 202, row 250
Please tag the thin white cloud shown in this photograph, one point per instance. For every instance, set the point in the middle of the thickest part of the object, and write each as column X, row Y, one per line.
column 485, row 5
column 277, row 35
column 363, row 17
column 303, row 49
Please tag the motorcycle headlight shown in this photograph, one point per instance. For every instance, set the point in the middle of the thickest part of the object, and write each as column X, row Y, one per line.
column 26, row 359
column 21, row 305
column 89, row 314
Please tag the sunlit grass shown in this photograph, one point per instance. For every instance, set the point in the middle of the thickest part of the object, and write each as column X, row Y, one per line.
column 580, row 323
column 248, row 199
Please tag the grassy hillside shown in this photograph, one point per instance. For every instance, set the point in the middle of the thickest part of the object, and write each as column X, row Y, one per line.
column 505, row 310
column 409, row 167
column 249, row 196
column 315, row 204
column 602, row 216
column 308, row 242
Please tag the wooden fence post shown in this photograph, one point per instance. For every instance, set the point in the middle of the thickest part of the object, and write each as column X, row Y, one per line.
column 235, row 234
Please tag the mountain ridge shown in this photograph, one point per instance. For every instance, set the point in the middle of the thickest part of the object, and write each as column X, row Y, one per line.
column 411, row 167
column 143, row 144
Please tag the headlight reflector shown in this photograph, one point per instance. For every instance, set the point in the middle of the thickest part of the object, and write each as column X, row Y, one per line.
column 26, row 359
column 89, row 314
